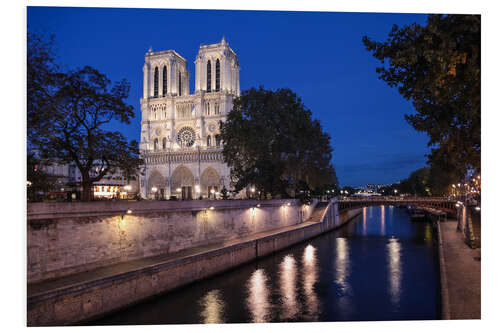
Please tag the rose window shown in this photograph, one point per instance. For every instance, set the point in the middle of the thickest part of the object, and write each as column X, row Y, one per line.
column 186, row 137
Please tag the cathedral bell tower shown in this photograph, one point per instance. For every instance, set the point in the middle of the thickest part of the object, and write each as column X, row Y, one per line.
column 217, row 69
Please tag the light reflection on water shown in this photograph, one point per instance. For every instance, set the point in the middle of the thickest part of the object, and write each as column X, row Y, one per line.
column 258, row 297
column 288, row 288
column 382, row 220
column 364, row 221
column 309, row 278
column 395, row 273
column 212, row 307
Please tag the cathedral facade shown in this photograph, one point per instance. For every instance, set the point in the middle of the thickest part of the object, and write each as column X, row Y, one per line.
column 180, row 142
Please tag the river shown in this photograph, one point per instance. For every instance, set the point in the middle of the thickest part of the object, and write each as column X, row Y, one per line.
column 379, row 266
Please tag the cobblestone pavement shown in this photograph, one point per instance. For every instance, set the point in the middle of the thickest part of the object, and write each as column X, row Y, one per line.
column 463, row 273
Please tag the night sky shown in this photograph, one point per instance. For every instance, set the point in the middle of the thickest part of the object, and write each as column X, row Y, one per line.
column 318, row 55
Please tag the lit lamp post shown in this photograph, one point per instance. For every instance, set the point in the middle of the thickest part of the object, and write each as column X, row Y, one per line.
column 154, row 189
column 212, row 191
column 252, row 190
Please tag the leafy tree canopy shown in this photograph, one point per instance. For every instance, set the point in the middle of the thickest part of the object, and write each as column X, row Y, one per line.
column 438, row 68
column 67, row 112
column 271, row 142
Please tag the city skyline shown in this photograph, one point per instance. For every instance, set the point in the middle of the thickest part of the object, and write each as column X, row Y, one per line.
column 352, row 104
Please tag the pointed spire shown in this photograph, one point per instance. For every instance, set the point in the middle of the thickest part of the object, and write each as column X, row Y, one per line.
column 150, row 49
column 223, row 41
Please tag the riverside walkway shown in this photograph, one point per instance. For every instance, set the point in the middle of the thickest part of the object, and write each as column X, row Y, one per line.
column 461, row 274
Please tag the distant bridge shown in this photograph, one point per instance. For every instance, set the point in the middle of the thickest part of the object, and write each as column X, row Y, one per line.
column 441, row 204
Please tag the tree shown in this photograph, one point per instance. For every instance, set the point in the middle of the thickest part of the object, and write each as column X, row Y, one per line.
column 85, row 103
column 272, row 143
column 67, row 113
column 438, row 68
column 43, row 78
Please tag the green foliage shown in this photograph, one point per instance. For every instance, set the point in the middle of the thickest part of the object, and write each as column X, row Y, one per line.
column 73, row 108
column 271, row 142
column 438, row 68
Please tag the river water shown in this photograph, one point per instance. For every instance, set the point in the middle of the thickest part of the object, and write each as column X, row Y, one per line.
column 379, row 266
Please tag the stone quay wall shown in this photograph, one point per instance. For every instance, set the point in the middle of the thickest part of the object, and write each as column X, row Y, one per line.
column 67, row 238
column 92, row 299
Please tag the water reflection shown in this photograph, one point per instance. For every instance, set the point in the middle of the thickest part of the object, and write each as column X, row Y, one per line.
column 310, row 277
column 364, row 221
column 382, row 220
column 342, row 264
column 258, row 297
column 288, row 288
column 212, row 307
column 394, row 257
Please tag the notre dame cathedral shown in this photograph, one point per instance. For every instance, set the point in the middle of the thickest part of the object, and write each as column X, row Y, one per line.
column 180, row 142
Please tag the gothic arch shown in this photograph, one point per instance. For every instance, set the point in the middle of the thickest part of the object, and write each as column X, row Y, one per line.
column 217, row 75
column 209, row 177
column 181, row 176
column 164, row 80
column 156, row 180
column 155, row 84
column 209, row 76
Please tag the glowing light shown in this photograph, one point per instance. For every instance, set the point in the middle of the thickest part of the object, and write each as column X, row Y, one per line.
column 212, row 191
column 258, row 205
column 478, row 208
column 212, row 208
column 252, row 189
column 309, row 253
column 288, row 288
column 197, row 189
column 253, row 211
column 129, row 211
column 457, row 205
column 342, row 263
column 213, row 307
column 28, row 183
column 395, row 272
column 288, row 204
column 310, row 277
column 258, row 297
column 154, row 189
column 178, row 190
column 127, row 187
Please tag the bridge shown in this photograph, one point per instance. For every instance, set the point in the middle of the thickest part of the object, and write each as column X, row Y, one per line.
column 434, row 203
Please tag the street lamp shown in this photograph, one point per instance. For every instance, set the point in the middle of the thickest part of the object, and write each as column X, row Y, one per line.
column 154, row 189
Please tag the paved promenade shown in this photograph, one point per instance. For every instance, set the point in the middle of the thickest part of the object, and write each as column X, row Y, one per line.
column 462, row 265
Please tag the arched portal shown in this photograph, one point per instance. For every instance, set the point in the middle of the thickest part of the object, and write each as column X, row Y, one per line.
column 210, row 180
column 182, row 183
column 156, row 185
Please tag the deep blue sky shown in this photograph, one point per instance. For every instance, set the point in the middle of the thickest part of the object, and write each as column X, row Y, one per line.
column 320, row 56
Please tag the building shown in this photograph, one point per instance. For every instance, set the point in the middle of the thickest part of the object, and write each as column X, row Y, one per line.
column 180, row 141
column 66, row 177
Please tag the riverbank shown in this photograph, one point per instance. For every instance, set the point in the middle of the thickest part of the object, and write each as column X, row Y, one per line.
column 460, row 274
column 85, row 295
